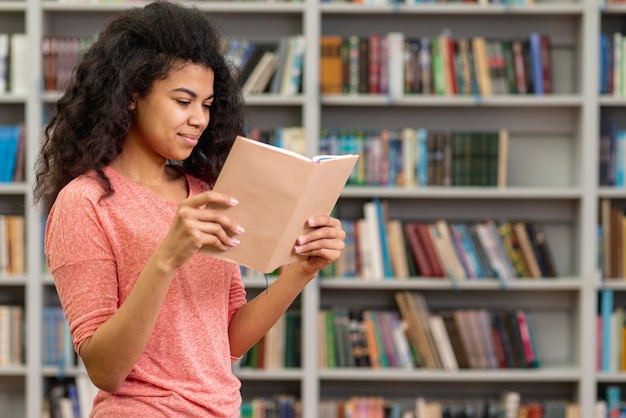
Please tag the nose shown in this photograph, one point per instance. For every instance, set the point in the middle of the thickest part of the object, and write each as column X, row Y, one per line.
column 199, row 116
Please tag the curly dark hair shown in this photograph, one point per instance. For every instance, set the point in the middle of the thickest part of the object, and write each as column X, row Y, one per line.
column 137, row 47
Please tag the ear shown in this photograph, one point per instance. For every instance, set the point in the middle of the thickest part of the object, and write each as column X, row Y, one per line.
column 133, row 103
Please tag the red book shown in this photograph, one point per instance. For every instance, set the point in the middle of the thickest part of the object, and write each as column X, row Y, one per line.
column 535, row 410
column 374, row 59
column 452, row 66
column 525, row 337
column 418, row 250
column 546, row 67
column 498, row 347
column 431, row 252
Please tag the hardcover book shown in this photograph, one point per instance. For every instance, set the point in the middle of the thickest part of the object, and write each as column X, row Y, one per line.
column 277, row 190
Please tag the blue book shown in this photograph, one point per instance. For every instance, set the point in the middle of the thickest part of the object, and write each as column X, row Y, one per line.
column 73, row 395
column 613, row 401
column 4, row 147
column 471, row 250
column 606, row 311
column 604, row 62
column 11, row 153
column 536, row 63
column 384, row 241
column 620, row 164
column 422, row 157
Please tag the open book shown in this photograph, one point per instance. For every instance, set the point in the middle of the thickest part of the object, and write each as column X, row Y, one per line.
column 278, row 190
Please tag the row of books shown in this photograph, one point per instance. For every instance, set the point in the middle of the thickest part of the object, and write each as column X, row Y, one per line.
column 272, row 67
column 409, row 2
column 12, row 245
column 508, row 405
column 414, row 157
column 611, row 335
column 416, row 337
column 57, row 348
column 612, row 332
column 67, row 398
column 61, row 401
column 279, row 348
column 612, row 64
column 612, row 242
column 395, row 64
column 407, row 157
column 59, row 57
column 612, row 154
column 136, row 1
column 279, row 406
column 269, row 67
column 468, row 338
column 13, row 63
column 291, row 138
column 379, row 248
column 12, row 149
column 11, row 335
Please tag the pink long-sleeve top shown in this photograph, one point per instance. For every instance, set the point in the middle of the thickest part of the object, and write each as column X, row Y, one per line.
column 96, row 249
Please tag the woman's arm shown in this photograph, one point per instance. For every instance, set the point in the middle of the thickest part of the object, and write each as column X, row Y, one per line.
column 114, row 348
column 322, row 246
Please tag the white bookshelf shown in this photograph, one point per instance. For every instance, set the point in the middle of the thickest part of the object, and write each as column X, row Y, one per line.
column 553, row 179
column 615, row 108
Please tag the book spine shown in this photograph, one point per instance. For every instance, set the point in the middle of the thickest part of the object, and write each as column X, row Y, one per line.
column 442, row 341
column 374, row 243
column 385, row 333
column 372, row 344
column 606, row 311
column 358, row 338
column 536, row 62
column 529, row 354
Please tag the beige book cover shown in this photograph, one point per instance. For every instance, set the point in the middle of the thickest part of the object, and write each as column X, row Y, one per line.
column 278, row 190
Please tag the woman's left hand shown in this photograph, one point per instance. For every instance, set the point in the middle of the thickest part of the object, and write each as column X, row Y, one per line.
column 322, row 244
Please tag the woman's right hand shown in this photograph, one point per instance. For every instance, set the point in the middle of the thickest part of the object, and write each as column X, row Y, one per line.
column 197, row 223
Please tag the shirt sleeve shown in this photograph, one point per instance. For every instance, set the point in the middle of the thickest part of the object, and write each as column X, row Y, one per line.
column 82, row 264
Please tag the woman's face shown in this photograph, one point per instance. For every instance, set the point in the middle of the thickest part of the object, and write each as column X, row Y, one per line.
column 167, row 123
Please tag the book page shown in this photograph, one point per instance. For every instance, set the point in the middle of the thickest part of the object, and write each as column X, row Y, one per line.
column 276, row 196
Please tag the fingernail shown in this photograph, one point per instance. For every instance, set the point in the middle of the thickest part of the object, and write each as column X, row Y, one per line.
column 234, row 201
column 235, row 241
column 239, row 229
column 298, row 249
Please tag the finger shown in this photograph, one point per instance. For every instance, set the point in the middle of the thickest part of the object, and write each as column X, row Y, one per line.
column 334, row 232
column 209, row 197
column 213, row 234
column 320, row 246
column 323, row 220
column 209, row 233
column 329, row 256
column 212, row 216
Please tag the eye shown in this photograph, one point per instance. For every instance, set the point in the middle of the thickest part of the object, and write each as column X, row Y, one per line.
column 207, row 106
column 182, row 102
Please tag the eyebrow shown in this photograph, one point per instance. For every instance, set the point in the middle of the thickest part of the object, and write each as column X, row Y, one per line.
column 192, row 93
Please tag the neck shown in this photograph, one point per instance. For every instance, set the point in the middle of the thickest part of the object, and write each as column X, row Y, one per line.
column 135, row 173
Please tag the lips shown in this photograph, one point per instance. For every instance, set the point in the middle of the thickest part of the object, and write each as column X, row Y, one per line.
column 191, row 140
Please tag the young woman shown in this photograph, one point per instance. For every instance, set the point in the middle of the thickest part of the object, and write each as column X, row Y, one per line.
column 125, row 173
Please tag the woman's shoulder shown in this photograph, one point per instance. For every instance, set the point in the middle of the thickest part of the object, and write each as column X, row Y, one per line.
column 83, row 191
column 84, row 186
